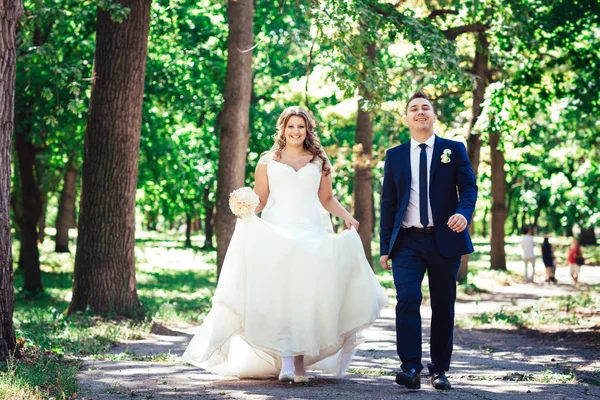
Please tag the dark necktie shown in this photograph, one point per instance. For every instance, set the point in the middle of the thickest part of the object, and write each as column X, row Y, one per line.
column 423, row 186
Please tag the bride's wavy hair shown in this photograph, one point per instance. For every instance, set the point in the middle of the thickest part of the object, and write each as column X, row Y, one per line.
column 311, row 143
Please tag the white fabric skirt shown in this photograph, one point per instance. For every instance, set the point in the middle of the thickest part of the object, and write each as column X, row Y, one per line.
column 284, row 293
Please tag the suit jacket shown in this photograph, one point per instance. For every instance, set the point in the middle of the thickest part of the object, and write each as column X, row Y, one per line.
column 452, row 189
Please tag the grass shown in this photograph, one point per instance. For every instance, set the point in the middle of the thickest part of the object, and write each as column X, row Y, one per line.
column 371, row 371
column 129, row 355
column 564, row 312
column 39, row 375
column 53, row 343
column 547, row 377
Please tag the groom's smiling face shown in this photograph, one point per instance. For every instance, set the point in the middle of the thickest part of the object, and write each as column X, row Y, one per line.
column 420, row 115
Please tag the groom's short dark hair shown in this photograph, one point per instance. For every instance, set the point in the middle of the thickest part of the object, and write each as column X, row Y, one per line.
column 417, row 95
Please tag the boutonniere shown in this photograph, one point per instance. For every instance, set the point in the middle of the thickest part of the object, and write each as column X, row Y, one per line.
column 446, row 156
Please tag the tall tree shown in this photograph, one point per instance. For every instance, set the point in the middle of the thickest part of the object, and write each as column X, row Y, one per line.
column 496, row 124
column 363, row 178
column 10, row 12
column 104, row 276
column 49, row 109
column 235, row 117
column 28, row 203
column 481, row 71
column 497, row 252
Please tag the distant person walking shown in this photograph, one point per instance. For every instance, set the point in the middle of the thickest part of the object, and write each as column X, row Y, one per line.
column 528, row 255
column 549, row 260
column 575, row 260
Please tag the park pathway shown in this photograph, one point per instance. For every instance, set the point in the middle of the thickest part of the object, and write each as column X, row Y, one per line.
column 487, row 364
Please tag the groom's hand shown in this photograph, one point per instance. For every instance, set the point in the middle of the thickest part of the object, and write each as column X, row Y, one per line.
column 383, row 260
column 457, row 223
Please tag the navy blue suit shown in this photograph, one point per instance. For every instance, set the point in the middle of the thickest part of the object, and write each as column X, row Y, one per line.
column 452, row 190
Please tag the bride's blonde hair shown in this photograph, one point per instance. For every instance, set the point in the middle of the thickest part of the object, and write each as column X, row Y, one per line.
column 311, row 143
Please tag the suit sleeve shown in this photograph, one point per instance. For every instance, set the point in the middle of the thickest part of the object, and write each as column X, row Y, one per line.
column 467, row 186
column 388, row 206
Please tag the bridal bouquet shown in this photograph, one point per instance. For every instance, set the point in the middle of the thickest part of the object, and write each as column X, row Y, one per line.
column 243, row 202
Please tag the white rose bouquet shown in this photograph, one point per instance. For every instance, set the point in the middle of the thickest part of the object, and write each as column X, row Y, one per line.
column 243, row 202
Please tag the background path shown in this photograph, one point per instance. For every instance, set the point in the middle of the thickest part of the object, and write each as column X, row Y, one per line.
column 487, row 364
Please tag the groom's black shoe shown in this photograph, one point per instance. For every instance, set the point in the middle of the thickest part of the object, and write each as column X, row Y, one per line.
column 440, row 382
column 411, row 379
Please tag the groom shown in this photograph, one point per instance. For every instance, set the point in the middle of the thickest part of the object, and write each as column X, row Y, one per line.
column 427, row 201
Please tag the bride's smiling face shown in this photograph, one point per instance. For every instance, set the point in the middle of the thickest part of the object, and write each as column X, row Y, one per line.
column 295, row 131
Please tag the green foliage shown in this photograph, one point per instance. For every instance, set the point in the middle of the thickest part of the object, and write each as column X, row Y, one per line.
column 118, row 13
column 543, row 96
column 185, row 77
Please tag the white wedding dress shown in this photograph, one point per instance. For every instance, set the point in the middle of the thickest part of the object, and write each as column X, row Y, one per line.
column 287, row 287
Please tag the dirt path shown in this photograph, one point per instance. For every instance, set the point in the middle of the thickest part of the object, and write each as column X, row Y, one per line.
column 487, row 364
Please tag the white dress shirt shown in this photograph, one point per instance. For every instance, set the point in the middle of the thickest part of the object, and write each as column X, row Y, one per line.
column 413, row 215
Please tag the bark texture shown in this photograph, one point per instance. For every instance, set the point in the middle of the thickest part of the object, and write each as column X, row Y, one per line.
column 29, row 213
column 363, row 178
column 497, row 252
column 10, row 12
column 482, row 72
column 42, row 220
column 234, row 132
column 66, row 210
column 588, row 237
column 188, row 231
column 209, row 207
column 104, row 276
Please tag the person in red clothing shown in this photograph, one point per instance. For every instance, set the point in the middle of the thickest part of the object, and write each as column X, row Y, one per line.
column 575, row 259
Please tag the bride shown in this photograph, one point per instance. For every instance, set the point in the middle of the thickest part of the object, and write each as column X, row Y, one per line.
column 290, row 296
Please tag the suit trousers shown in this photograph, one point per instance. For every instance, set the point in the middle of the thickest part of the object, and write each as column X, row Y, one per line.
column 413, row 254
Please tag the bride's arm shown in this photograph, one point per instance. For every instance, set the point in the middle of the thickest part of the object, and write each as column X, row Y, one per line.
column 261, row 186
column 330, row 203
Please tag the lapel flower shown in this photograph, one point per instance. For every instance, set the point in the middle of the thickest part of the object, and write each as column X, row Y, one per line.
column 446, row 156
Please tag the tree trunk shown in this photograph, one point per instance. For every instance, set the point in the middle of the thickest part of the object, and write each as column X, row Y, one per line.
column 363, row 178
column 497, row 253
column 515, row 223
column 484, row 222
column 42, row 220
column 31, row 209
column 515, row 214
column 569, row 231
column 481, row 71
column 235, row 118
column 588, row 237
column 209, row 207
column 198, row 225
column 10, row 12
column 104, row 277
column 66, row 210
column 151, row 218
column 373, row 212
column 188, row 231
